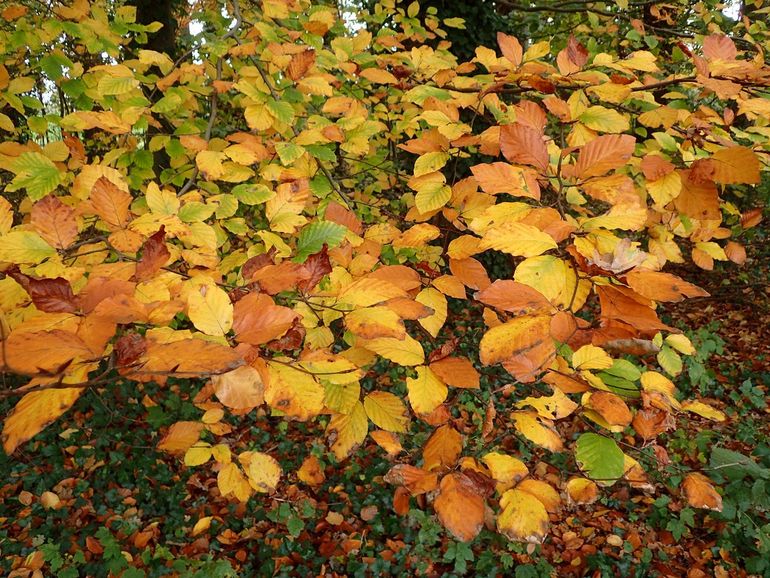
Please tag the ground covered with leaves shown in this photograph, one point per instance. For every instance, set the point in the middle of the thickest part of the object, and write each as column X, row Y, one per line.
column 94, row 497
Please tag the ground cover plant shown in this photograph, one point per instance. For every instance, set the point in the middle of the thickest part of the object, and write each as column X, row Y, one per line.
column 306, row 292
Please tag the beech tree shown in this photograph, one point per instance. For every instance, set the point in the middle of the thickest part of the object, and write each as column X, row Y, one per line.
column 298, row 204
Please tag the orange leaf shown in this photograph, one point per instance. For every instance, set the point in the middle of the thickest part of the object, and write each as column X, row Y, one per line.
column 457, row 372
column 442, row 448
column 181, row 436
column 736, row 165
column 110, row 203
column 54, row 221
column 460, row 507
column 662, row 286
column 257, row 319
column 524, row 145
column 603, row 154
column 513, row 297
column 511, row 48
column 34, row 412
column 700, row 492
column 470, row 272
column 416, row 480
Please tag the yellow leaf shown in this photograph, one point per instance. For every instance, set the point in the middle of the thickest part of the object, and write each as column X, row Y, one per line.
column 264, row 472
column 35, row 411
column 231, row 480
column 198, row 454
column 347, row 432
column 582, row 491
column 340, row 397
column 524, row 517
column 209, row 163
column 379, row 76
column 591, row 357
column 407, row 351
column 293, row 392
column 369, row 291
column 604, row 120
column 201, row 525
column 704, row 410
column 24, row 247
column 556, row 406
column 517, row 239
column 665, row 189
column 430, row 162
column 661, row 389
column 681, row 343
column 373, row 322
column 536, row 430
column 505, row 469
column 513, row 337
column 386, row 411
column 426, row 391
column 544, row 492
column 221, row 453
column 210, row 310
column 434, row 299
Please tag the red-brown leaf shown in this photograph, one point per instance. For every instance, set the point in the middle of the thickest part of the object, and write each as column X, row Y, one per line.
column 155, row 254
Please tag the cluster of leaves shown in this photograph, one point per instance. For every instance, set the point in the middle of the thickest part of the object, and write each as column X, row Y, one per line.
column 290, row 207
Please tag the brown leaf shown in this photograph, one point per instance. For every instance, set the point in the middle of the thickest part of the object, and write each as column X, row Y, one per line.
column 155, row 255
column 186, row 358
column 651, row 422
column 36, row 352
column 129, row 348
column 577, row 53
column 49, row 295
column 300, row 63
column 719, row 46
column 511, row 48
column 314, row 268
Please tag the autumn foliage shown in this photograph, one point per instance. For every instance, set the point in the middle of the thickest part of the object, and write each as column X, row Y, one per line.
column 295, row 208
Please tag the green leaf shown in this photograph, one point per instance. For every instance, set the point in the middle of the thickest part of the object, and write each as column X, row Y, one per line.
column 36, row 173
column 115, row 85
column 313, row 237
column 735, row 465
column 281, row 111
column 252, row 194
column 288, row 152
column 670, row 360
column 600, row 457
column 322, row 153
